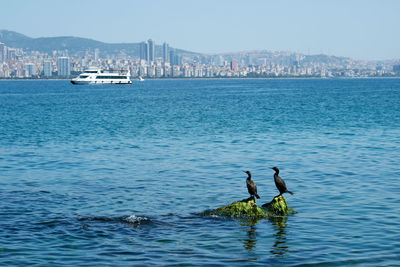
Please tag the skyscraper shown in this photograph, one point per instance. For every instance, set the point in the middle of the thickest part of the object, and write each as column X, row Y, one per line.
column 47, row 68
column 96, row 53
column 2, row 52
column 63, row 66
column 165, row 53
column 151, row 50
column 144, row 51
column 172, row 57
column 175, row 58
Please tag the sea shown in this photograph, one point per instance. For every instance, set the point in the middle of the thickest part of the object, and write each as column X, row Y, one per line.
column 119, row 175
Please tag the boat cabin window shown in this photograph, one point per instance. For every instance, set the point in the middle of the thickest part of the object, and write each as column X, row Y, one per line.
column 83, row 76
column 111, row 77
column 90, row 71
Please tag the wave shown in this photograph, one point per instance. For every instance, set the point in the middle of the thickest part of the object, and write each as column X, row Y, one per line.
column 131, row 220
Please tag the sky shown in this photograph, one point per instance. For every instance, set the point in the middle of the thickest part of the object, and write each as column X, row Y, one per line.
column 360, row 29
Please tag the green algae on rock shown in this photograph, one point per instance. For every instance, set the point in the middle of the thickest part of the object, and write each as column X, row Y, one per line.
column 243, row 208
column 248, row 208
column 278, row 206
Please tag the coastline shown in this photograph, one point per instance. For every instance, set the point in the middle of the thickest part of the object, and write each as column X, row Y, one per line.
column 216, row 78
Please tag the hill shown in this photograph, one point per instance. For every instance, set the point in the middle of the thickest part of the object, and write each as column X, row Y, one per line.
column 78, row 46
column 74, row 45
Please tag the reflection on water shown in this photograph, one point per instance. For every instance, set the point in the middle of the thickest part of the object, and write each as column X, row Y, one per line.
column 250, row 241
column 280, row 247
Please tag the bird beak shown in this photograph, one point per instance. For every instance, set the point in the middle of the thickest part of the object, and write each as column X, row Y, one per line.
column 244, row 171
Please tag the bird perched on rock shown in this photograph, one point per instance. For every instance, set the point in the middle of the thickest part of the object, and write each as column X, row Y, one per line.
column 280, row 183
column 251, row 185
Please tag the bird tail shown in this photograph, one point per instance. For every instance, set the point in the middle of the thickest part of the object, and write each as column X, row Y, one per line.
column 257, row 196
column 290, row 192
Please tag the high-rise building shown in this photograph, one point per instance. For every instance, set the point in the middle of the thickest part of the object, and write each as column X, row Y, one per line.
column 11, row 54
column 396, row 69
column 63, row 66
column 172, row 57
column 249, row 59
column 30, row 69
column 96, row 53
column 178, row 61
column 165, row 52
column 234, row 65
column 2, row 52
column 47, row 68
column 152, row 55
column 144, row 51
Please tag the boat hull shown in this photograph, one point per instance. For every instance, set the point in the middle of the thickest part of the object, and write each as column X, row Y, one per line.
column 80, row 82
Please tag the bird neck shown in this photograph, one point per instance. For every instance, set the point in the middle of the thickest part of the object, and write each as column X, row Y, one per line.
column 248, row 176
column 277, row 172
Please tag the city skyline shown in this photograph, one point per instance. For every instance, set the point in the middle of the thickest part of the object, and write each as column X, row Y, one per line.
column 141, row 60
column 357, row 29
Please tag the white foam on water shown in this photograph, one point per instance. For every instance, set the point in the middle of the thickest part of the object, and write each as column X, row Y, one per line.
column 135, row 219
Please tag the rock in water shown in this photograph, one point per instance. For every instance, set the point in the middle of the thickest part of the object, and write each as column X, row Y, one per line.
column 244, row 208
column 278, row 206
column 248, row 208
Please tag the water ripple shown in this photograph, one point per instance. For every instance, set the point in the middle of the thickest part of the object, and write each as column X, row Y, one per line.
column 100, row 175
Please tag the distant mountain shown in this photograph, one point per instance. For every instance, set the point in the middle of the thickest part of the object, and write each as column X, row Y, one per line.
column 74, row 45
column 11, row 38
column 78, row 46
column 286, row 57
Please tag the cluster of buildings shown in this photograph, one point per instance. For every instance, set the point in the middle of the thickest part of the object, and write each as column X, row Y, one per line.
column 172, row 63
column 16, row 63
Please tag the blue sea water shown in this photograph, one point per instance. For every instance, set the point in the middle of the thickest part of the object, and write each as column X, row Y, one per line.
column 116, row 175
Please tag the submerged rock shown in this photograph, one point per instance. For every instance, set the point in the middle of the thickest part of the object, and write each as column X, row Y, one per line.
column 243, row 208
column 278, row 206
column 248, row 208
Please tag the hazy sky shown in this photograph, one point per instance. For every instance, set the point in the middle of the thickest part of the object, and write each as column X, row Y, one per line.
column 360, row 29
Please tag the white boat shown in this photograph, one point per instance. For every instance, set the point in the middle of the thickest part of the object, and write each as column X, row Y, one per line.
column 98, row 76
column 140, row 79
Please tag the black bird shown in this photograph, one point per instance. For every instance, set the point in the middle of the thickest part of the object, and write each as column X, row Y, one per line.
column 251, row 185
column 280, row 183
